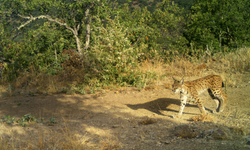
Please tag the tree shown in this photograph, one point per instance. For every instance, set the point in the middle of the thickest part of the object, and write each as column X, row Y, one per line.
column 168, row 20
column 219, row 24
column 72, row 15
column 35, row 33
column 156, row 32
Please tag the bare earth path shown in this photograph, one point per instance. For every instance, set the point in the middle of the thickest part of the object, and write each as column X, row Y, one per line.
column 127, row 119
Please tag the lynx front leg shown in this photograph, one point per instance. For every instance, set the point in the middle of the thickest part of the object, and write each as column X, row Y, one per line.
column 201, row 107
column 182, row 106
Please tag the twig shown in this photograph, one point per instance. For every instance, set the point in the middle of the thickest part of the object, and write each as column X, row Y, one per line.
column 73, row 30
column 208, row 53
column 31, row 18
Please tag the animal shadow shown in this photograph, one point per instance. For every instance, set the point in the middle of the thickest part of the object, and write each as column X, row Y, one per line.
column 161, row 104
column 158, row 105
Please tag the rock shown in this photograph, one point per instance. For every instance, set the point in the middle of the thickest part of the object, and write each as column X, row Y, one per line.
column 248, row 142
column 158, row 144
column 217, row 134
column 247, row 138
column 115, row 126
column 186, row 131
column 167, row 142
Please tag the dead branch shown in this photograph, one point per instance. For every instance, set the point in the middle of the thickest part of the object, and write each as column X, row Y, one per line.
column 208, row 53
column 31, row 18
column 74, row 31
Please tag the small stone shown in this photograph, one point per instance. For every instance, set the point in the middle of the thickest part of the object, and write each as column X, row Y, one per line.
column 247, row 139
column 216, row 134
column 158, row 144
column 115, row 126
column 186, row 131
column 167, row 142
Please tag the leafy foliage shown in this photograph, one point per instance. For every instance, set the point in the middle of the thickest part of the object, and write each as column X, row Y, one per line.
column 158, row 32
column 23, row 121
column 8, row 119
column 26, row 119
column 113, row 54
column 169, row 22
column 219, row 24
column 122, row 35
column 52, row 121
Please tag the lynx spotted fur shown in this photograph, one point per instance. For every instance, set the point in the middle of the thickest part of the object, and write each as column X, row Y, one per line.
column 191, row 89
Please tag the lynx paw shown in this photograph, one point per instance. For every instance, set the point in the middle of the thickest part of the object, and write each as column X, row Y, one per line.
column 219, row 110
column 213, row 111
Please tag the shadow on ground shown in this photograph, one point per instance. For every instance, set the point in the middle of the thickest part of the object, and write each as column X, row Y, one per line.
column 160, row 104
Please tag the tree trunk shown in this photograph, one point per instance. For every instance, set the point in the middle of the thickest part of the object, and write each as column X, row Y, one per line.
column 87, row 29
column 78, row 44
column 87, row 36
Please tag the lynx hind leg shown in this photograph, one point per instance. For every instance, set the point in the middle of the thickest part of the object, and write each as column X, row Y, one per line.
column 219, row 97
column 224, row 100
column 215, row 100
column 201, row 107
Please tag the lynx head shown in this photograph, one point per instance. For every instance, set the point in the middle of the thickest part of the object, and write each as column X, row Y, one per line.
column 177, row 86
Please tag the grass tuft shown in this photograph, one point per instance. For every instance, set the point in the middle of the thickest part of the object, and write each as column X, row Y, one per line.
column 203, row 118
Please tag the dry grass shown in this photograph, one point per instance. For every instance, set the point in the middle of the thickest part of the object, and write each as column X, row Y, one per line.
column 156, row 66
column 147, row 121
column 238, row 61
column 185, row 131
column 230, row 67
column 239, row 120
column 42, row 137
column 33, row 82
column 184, row 67
column 203, row 118
column 181, row 67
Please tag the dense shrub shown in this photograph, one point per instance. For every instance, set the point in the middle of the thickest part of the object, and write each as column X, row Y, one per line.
column 120, row 36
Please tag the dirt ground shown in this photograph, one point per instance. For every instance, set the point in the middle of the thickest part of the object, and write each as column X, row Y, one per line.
column 127, row 119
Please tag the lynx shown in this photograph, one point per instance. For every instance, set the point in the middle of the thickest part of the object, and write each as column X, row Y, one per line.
column 191, row 89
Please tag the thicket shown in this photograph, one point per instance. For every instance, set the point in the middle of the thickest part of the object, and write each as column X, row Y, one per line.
column 105, row 40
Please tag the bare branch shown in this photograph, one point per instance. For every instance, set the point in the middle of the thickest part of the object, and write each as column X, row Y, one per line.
column 74, row 31
column 78, row 27
column 31, row 18
column 208, row 54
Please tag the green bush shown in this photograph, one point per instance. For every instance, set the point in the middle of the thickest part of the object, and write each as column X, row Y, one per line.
column 111, row 52
column 218, row 24
column 120, row 38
